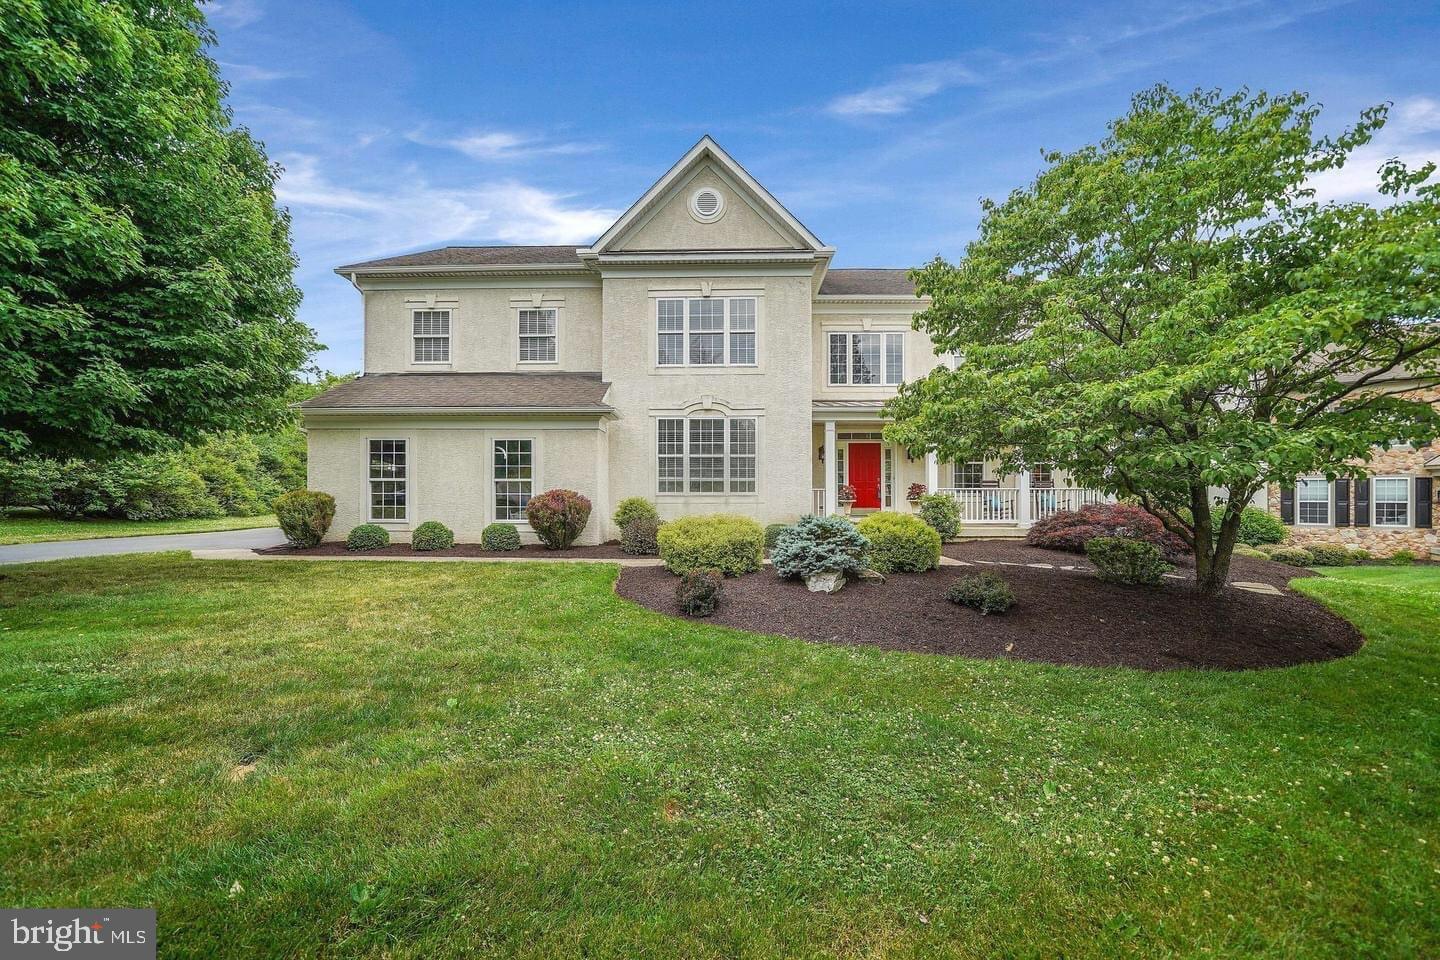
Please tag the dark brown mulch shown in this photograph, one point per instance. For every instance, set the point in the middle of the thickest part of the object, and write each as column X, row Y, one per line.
column 604, row 551
column 1061, row 616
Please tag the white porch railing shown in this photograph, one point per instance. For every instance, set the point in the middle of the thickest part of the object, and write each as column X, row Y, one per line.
column 1045, row 502
column 818, row 500
column 1002, row 504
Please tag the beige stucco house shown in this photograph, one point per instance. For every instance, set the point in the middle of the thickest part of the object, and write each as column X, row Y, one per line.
column 702, row 353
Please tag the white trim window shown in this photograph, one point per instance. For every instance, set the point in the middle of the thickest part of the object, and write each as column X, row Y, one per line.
column 867, row 359
column 514, row 478
column 1312, row 502
column 706, row 454
column 389, row 479
column 430, row 333
column 537, row 335
column 968, row 476
column 705, row 331
column 1390, row 502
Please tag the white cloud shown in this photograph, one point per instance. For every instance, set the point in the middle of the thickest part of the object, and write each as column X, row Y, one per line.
column 1410, row 135
column 249, row 73
column 1417, row 115
column 235, row 13
column 910, row 84
column 498, row 145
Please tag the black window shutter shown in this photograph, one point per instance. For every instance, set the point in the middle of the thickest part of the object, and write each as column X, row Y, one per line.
column 1362, row 502
column 1287, row 503
column 1424, row 501
column 1342, row 502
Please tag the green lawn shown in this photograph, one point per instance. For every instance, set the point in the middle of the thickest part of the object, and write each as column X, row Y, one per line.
column 467, row 759
column 31, row 527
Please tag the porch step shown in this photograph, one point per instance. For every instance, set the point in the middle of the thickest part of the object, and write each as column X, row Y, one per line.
column 985, row 531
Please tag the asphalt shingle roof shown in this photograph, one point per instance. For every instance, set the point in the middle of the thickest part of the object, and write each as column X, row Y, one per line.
column 501, row 391
column 865, row 281
column 499, row 256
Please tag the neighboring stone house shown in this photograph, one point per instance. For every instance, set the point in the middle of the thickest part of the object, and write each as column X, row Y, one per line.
column 1390, row 507
column 702, row 353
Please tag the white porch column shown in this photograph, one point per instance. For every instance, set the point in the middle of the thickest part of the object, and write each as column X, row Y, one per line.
column 832, row 451
column 1022, row 510
column 932, row 472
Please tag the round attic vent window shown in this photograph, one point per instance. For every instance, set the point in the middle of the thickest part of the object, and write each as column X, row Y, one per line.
column 706, row 205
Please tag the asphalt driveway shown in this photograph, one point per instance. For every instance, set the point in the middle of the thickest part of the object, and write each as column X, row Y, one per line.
column 220, row 540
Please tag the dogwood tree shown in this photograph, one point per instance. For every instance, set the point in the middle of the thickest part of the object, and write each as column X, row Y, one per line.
column 1171, row 315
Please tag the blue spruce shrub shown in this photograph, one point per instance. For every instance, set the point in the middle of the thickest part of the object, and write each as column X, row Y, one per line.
column 817, row 544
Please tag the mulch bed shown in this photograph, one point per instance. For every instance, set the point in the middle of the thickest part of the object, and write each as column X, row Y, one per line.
column 1060, row 616
column 336, row 548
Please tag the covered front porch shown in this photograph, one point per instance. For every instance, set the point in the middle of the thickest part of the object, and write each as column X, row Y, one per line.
column 849, row 449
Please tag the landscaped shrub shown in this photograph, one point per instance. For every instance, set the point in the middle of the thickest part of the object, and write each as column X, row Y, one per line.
column 719, row 541
column 641, row 536
column 698, row 592
column 1258, row 526
column 1360, row 555
column 772, row 534
column 1123, row 560
column 367, row 536
column 558, row 517
column 1295, row 556
column 986, row 592
column 942, row 513
column 304, row 515
column 1243, row 551
column 818, row 544
column 901, row 542
column 1330, row 555
column 634, row 508
column 432, row 535
column 1400, row 558
column 1072, row 529
column 1269, row 548
column 500, row 536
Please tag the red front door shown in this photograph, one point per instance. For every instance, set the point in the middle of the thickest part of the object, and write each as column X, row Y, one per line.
column 865, row 474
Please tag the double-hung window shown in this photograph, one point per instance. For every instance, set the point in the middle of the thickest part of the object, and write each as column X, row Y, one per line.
column 537, row 336
column 514, row 469
column 706, row 455
column 969, row 475
column 430, row 331
column 1391, row 501
column 705, row 332
column 389, row 480
column 867, row 359
column 1312, row 501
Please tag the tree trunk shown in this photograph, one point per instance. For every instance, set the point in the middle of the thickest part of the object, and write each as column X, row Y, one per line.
column 1212, row 553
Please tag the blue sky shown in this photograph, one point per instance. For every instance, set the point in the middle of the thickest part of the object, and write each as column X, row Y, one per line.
column 403, row 126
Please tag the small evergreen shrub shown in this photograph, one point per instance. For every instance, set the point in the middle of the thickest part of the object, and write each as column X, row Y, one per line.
column 1257, row 527
column 1360, row 555
column 901, row 542
column 1294, row 556
column 942, row 513
column 986, row 592
column 634, row 508
column 772, row 534
column 719, row 541
column 558, row 517
column 1251, row 553
column 1072, row 529
column 641, row 537
column 698, row 592
column 1269, row 548
column 1401, row 558
column 1330, row 555
column 500, row 536
column 304, row 516
column 1122, row 560
column 817, row 544
column 432, row 535
column 367, row 536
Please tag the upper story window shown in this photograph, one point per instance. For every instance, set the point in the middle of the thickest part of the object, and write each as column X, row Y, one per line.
column 1391, row 502
column 431, row 334
column 705, row 332
column 1312, row 501
column 706, row 454
column 537, row 336
column 867, row 359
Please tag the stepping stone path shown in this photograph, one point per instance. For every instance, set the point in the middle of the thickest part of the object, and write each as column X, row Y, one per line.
column 1252, row 587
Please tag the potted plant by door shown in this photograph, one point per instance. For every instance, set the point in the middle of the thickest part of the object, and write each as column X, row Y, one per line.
column 846, row 496
column 913, row 495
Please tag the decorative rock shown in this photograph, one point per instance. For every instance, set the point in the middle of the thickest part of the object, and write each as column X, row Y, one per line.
column 827, row 581
column 1254, row 587
column 870, row 576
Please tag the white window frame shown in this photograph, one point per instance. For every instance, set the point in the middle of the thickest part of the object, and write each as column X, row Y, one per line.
column 495, row 480
column 885, row 336
column 370, row 480
column 1329, row 502
column 553, row 336
column 1407, row 502
column 448, row 337
column 728, row 456
column 955, row 474
column 728, row 332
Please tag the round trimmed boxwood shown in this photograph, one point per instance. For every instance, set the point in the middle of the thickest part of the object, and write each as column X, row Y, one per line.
column 367, row 536
column 942, row 512
column 634, row 508
column 432, row 535
column 900, row 542
column 500, row 536
column 1257, row 527
column 726, row 542
column 1294, row 556
column 1122, row 560
column 1330, row 555
column 772, row 534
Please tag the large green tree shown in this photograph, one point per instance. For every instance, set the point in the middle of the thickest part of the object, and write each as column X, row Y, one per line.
column 1172, row 316
column 146, row 290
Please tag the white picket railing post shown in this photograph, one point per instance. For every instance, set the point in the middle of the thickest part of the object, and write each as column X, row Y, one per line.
column 831, row 452
column 1024, row 497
